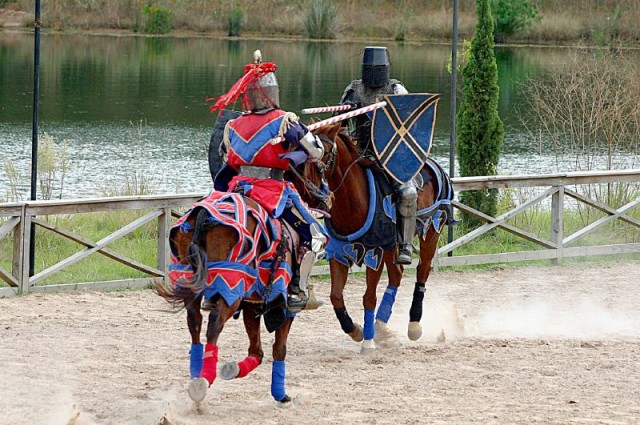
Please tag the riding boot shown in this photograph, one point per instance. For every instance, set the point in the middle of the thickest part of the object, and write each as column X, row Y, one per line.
column 298, row 300
column 405, row 235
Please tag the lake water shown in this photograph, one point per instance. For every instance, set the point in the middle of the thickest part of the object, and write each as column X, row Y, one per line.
column 128, row 107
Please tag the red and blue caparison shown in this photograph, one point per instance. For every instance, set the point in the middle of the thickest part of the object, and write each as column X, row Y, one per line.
column 244, row 274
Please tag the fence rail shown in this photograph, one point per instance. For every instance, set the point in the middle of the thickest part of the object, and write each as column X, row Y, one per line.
column 17, row 219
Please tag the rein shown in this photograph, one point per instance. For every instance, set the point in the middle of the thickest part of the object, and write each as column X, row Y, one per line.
column 322, row 167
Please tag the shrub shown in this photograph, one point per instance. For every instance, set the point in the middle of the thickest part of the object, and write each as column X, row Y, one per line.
column 514, row 16
column 235, row 22
column 155, row 20
column 321, row 20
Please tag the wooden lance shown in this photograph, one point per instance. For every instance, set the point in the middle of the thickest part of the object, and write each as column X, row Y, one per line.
column 322, row 109
column 337, row 118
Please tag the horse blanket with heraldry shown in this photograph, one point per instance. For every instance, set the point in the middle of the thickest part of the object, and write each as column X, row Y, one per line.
column 402, row 133
column 246, row 270
column 378, row 233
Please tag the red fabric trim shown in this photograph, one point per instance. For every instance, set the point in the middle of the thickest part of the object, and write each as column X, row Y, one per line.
column 266, row 192
column 252, row 73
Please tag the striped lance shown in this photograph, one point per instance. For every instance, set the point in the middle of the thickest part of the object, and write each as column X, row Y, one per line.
column 337, row 118
column 322, row 109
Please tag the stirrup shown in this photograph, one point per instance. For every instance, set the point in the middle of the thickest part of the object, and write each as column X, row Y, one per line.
column 403, row 257
column 313, row 302
column 295, row 303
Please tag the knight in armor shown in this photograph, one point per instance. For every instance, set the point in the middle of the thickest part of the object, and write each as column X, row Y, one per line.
column 256, row 162
column 375, row 83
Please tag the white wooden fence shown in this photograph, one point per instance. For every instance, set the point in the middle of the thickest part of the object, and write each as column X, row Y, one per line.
column 17, row 219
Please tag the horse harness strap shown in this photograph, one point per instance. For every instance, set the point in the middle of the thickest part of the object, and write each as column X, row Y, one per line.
column 281, row 251
column 331, row 162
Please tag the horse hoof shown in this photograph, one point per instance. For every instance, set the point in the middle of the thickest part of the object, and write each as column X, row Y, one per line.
column 357, row 334
column 368, row 347
column 384, row 336
column 285, row 400
column 197, row 389
column 414, row 332
column 229, row 371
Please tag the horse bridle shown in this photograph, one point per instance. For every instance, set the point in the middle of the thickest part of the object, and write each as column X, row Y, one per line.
column 320, row 195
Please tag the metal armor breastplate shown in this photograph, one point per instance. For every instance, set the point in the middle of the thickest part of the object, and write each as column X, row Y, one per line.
column 367, row 95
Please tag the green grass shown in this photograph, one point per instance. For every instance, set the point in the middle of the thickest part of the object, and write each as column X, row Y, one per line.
column 141, row 245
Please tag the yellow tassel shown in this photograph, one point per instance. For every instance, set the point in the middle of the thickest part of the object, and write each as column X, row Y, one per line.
column 287, row 119
column 225, row 140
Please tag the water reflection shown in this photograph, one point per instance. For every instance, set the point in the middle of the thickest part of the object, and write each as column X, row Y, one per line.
column 125, row 103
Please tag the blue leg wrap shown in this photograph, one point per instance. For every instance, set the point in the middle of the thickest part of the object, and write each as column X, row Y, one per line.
column 369, row 331
column 195, row 363
column 277, row 380
column 415, row 313
column 386, row 305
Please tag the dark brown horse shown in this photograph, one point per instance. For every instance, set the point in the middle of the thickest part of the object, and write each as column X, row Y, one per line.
column 344, row 168
column 201, row 243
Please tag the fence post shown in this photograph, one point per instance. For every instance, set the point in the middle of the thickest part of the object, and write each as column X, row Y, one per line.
column 164, row 225
column 557, row 223
column 16, row 262
column 25, row 251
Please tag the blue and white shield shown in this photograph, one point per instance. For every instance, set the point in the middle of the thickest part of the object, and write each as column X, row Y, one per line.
column 402, row 133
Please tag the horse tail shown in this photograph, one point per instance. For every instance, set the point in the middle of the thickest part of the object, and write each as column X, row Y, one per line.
column 197, row 259
column 197, row 255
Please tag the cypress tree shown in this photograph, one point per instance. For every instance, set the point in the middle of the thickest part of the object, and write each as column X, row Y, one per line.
column 480, row 129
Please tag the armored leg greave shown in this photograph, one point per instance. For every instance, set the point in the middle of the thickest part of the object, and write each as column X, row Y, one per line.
column 407, row 206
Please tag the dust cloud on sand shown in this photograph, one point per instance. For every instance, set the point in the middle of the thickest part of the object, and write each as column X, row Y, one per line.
column 517, row 345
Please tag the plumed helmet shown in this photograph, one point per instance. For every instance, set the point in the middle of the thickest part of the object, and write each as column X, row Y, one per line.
column 257, row 88
column 263, row 93
column 375, row 66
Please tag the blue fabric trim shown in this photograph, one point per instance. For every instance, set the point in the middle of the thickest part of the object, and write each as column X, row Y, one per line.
column 372, row 209
column 195, row 360
column 278, row 286
column 389, row 207
column 277, row 380
column 179, row 267
column 369, row 329
column 220, row 286
column 303, row 210
column 373, row 258
column 340, row 248
column 386, row 305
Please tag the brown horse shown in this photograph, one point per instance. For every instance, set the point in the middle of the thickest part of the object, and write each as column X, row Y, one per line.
column 211, row 246
column 344, row 169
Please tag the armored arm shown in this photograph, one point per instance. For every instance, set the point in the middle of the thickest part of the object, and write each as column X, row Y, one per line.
column 299, row 135
column 398, row 88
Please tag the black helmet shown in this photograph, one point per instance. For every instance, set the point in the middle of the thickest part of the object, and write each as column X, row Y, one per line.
column 375, row 66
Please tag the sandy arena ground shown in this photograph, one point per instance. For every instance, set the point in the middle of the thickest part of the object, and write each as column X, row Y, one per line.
column 522, row 345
